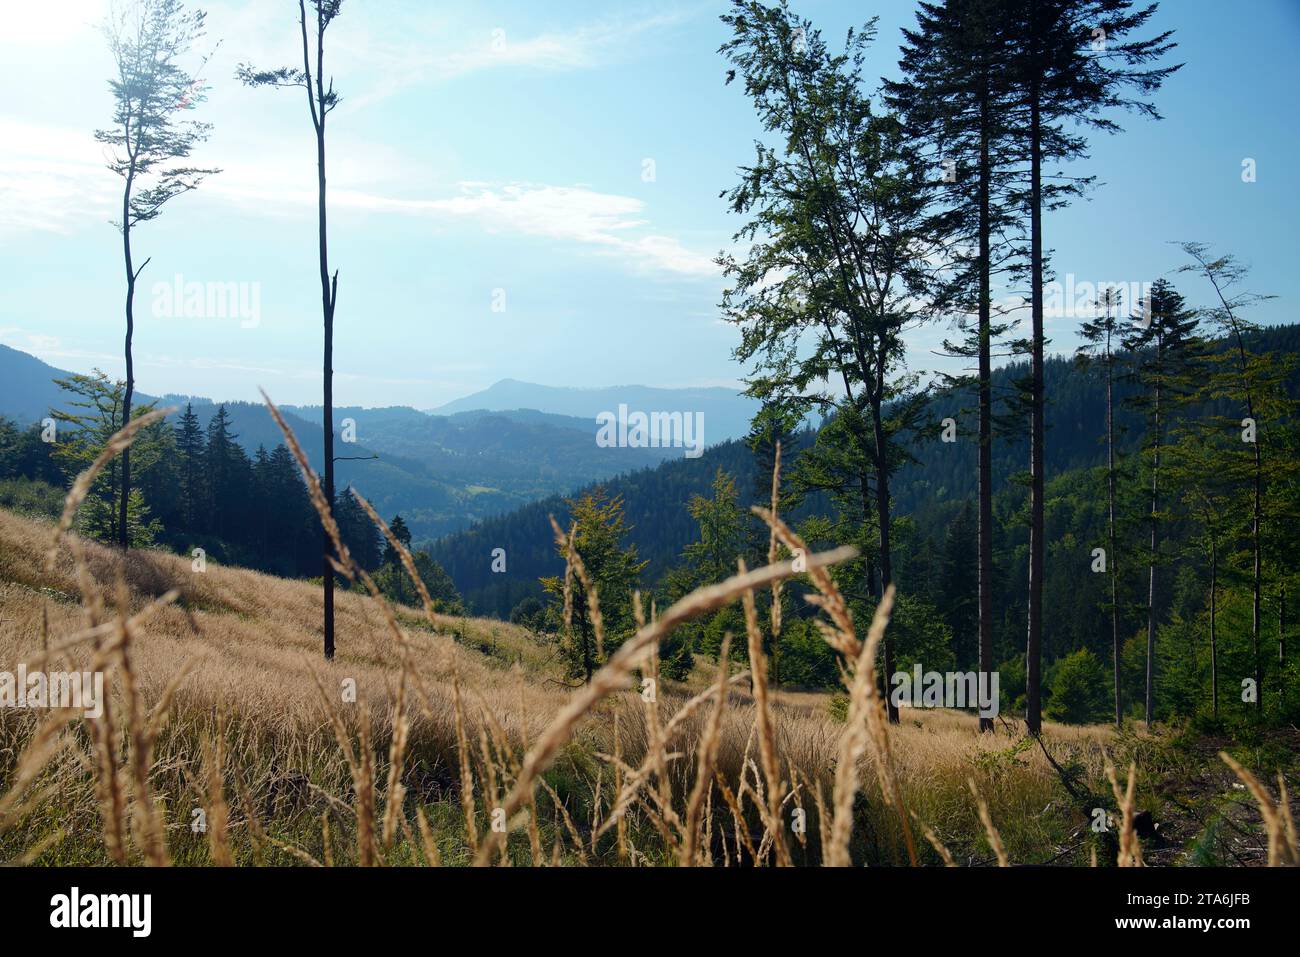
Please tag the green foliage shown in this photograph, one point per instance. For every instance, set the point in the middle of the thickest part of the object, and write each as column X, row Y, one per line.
column 837, row 707
column 191, row 486
column 93, row 416
column 806, row 660
column 361, row 535
column 1204, row 851
column 921, row 636
column 31, row 497
column 150, row 139
column 1080, row 689
column 400, row 532
column 1011, row 683
column 25, row 455
column 599, row 529
column 393, row 580
column 529, row 613
column 711, row 558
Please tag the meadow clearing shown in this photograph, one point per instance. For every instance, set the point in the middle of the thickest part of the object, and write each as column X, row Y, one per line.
column 432, row 739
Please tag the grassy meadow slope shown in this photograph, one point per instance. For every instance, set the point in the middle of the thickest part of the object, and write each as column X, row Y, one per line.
column 245, row 648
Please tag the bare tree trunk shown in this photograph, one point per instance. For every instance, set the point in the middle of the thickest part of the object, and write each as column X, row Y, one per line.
column 329, row 295
column 1112, row 555
column 123, row 533
column 1033, row 644
column 1281, row 626
column 882, row 519
column 1214, row 609
column 1155, row 544
column 327, row 308
column 1255, row 595
column 1244, row 366
column 985, row 480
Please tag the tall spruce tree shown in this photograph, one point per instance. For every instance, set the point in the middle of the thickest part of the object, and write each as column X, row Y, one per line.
column 953, row 97
column 189, row 453
column 1255, row 382
column 1102, row 336
column 361, row 536
column 229, row 480
column 402, row 534
column 1068, row 62
column 1165, row 350
column 291, row 519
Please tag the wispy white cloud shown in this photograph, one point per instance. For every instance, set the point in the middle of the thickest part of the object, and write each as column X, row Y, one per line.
column 433, row 50
column 584, row 47
column 54, row 179
column 51, row 178
column 605, row 224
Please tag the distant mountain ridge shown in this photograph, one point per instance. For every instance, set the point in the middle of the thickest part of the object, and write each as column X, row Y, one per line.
column 478, row 478
column 440, row 472
column 727, row 414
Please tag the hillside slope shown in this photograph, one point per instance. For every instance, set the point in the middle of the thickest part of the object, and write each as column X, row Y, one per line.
column 930, row 490
column 245, row 649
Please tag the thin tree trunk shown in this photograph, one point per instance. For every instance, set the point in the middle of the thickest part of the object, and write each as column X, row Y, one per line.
column 985, row 480
column 1244, row 366
column 1281, row 626
column 329, row 292
column 882, row 520
column 1214, row 646
column 123, row 534
column 1033, row 644
column 1255, row 602
column 1151, row 563
column 327, row 307
column 1112, row 555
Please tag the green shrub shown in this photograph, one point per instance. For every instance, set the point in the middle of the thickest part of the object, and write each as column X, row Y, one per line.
column 1080, row 691
column 31, row 497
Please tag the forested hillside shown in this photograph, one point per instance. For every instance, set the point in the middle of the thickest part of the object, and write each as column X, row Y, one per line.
column 932, row 489
column 1076, row 409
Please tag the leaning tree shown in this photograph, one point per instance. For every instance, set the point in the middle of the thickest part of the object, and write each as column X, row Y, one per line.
column 148, row 144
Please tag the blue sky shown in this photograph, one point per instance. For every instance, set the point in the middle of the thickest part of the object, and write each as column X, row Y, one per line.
column 497, row 152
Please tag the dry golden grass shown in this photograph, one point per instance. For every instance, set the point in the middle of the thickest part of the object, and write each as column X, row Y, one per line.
column 252, row 642
column 222, row 708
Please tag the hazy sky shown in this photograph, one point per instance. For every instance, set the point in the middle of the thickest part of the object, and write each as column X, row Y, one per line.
column 497, row 153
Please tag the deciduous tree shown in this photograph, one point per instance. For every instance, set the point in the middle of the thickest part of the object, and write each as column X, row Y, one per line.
column 148, row 144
